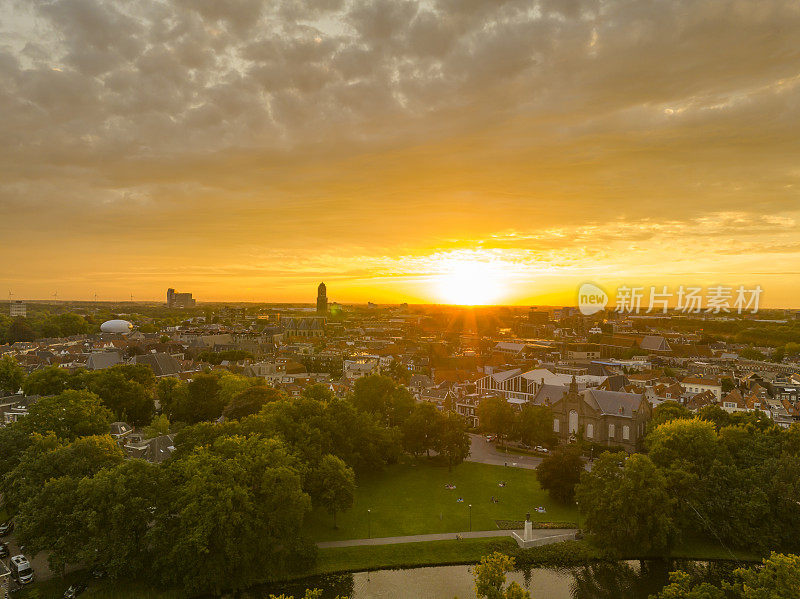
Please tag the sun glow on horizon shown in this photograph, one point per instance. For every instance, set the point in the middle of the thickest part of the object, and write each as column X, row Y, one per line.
column 470, row 283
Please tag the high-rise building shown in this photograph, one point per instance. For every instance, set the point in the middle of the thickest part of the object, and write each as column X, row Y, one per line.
column 18, row 308
column 322, row 299
column 179, row 300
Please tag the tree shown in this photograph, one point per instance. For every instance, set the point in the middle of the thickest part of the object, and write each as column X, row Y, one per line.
column 11, row 375
column 14, row 440
column 250, row 401
column 118, row 505
column 20, row 330
column 454, row 442
column 49, row 457
column 231, row 385
column 158, row 426
column 50, row 380
column 496, row 416
column 778, row 577
column 626, row 505
column 69, row 324
column 50, row 520
column 313, row 429
column 680, row 587
column 490, row 576
column 534, row 426
column 749, row 353
column 239, row 501
column 559, row 472
column 381, row 396
column 422, row 429
column 200, row 402
column 128, row 399
column 68, row 415
column 169, row 393
column 333, row 485
column 715, row 414
column 688, row 444
column 667, row 411
column 319, row 392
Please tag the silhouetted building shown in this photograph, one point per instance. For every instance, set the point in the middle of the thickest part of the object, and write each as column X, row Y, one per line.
column 179, row 300
column 322, row 299
column 538, row 318
column 18, row 309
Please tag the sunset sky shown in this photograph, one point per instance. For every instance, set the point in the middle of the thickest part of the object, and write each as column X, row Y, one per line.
column 247, row 150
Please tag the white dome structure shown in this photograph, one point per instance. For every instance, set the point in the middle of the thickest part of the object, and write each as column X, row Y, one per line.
column 116, row 326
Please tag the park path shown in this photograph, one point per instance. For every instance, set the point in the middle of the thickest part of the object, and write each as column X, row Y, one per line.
column 486, row 453
column 544, row 533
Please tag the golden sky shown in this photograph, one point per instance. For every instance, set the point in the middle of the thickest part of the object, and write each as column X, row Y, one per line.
column 247, row 150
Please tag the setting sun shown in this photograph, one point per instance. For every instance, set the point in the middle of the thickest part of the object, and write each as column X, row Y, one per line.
column 470, row 283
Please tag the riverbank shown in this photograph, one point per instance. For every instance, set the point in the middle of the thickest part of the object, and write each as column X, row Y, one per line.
column 408, row 555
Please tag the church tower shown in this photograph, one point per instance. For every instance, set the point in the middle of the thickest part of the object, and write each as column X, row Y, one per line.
column 322, row 299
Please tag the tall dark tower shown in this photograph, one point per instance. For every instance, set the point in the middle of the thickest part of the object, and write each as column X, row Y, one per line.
column 322, row 299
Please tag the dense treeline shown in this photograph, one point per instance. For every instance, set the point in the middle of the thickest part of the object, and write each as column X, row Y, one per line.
column 237, row 490
column 734, row 478
column 57, row 320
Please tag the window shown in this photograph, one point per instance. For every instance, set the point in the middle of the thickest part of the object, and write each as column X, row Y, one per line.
column 555, row 425
column 573, row 422
column 626, row 432
column 610, row 431
column 589, row 431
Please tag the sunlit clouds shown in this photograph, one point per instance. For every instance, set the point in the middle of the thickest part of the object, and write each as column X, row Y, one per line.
column 397, row 149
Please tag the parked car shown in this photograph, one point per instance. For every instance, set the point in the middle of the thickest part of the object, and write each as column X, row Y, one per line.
column 76, row 589
column 541, row 449
column 490, row 438
column 7, row 527
column 3, row 549
column 21, row 570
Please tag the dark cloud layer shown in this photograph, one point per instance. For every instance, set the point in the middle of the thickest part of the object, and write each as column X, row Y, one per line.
column 389, row 127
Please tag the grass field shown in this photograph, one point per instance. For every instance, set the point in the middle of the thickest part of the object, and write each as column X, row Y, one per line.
column 409, row 499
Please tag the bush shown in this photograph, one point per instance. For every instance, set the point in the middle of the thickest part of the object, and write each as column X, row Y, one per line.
column 566, row 553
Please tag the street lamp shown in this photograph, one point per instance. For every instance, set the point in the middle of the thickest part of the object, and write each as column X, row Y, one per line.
column 470, row 517
column 369, row 524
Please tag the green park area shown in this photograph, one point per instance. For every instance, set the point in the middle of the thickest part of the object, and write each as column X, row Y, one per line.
column 411, row 499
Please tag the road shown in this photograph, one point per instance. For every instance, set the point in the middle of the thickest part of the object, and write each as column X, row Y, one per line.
column 39, row 563
column 487, row 453
column 448, row 536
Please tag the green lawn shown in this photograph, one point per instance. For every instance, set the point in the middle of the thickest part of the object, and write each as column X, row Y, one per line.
column 409, row 499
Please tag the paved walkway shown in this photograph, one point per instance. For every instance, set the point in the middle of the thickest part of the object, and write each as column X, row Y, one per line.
column 541, row 533
column 486, row 453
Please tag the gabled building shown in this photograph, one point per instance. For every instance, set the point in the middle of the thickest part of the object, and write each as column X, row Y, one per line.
column 694, row 384
column 605, row 417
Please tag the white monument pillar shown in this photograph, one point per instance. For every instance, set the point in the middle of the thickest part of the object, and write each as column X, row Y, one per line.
column 528, row 534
